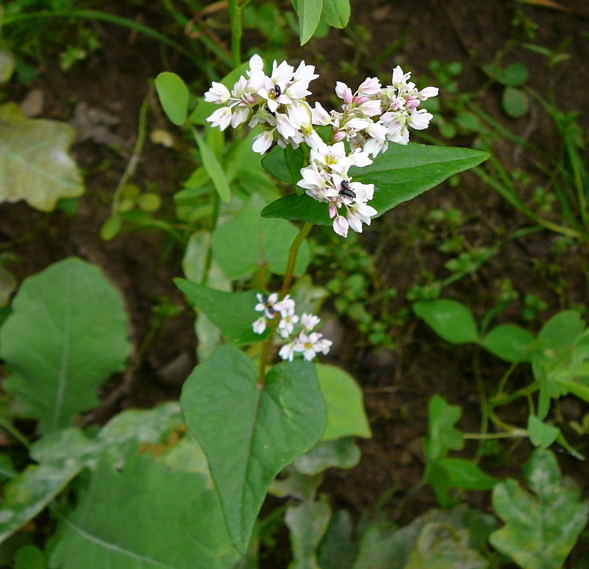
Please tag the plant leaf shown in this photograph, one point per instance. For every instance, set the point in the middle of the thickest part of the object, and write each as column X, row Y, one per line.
column 63, row 454
column 541, row 434
column 449, row 319
column 466, row 475
column 164, row 520
column 247, row 242
column 271, row 425
column 442, row 434
column 34, row 162
column 540, row 530
column 309, row 15
column 307, row 523
column 509, row 342
column 345, row 406
column 173, row 94
column 213, row 168
column 274, row 162
column 298, row 208
column 336, row 12
column 29, row 492
column 440, row 546
column 66, row 335
column 232, row 312
column 341, row 453
column 402, row 173
column 516, row 102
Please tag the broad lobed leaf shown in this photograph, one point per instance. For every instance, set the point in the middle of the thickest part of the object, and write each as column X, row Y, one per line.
column 66, row 335
column 164, row 520
column 35, row 165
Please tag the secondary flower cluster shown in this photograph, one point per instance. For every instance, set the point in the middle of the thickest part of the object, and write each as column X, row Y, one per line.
column 297, row 330
column 369, row 119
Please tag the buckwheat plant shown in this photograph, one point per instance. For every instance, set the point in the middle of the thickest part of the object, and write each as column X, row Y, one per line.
column 251, row 416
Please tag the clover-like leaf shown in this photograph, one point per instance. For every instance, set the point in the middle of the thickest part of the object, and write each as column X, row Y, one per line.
column 164, row 519
column 449, row 319
column 271, row 424
column 174, row 95
column 442, row 434
column 34, row 162
column 541, row 528
column 66, row 335
column 509, row 342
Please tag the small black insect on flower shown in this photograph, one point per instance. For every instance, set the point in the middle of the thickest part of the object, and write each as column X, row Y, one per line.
column 346, row 191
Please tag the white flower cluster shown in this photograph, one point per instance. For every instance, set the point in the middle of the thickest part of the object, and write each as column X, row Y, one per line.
column 297, row 330
column 370, row 118
column 276, row 101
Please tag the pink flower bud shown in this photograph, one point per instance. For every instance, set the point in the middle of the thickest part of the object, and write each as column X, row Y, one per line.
column 412, row 102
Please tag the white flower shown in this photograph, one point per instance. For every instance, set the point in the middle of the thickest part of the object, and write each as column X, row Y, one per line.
column 221, row 118
column 263, row 141
column 285, row 306
column 287, row 351
column 428, row 92
column 340, row 225
column 344, row 92
column 311, row 344
column 400, row 79
column 286, row 324
column 320, row 116
column 309, row 321
column 259, row 325
column 322, row 345
column 420, row 119
column 218, row 93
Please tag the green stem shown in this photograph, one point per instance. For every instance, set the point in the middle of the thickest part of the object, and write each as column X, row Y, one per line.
column 134, row 160
column 482, row 395
column 490, row 436
column 292, row 258
column 209, row 258
column 524, row 392
column 235, row 23
column 11, row 429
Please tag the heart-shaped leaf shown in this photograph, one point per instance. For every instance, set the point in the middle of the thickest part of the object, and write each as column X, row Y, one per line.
column 271, row 424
